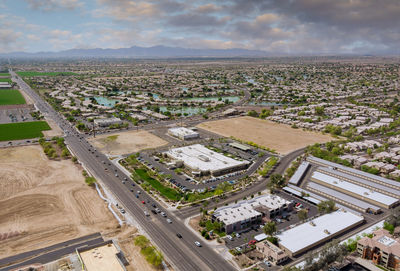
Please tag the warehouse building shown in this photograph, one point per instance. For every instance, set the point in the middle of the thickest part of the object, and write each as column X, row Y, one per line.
column 355, row 190
column 362, row 182
column 302, row 238
column 183, row 133
column 355, row 172
column 337, row 196
column 299, row 174
column 203, row 161
column 248, row 213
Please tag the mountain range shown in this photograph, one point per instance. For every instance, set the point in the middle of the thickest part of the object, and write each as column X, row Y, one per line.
column 143, row 52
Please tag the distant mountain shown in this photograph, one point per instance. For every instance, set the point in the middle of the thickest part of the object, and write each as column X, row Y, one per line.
column 144, row 52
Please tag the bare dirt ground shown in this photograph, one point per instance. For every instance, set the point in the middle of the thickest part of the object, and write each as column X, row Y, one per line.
column 279, row 137
column 127, row 142
column 45, row 201
column 55, row 129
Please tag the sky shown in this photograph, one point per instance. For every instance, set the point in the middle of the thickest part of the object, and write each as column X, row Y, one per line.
column 295, row 27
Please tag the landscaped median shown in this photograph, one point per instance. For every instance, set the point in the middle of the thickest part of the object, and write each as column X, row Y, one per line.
column 22, row 130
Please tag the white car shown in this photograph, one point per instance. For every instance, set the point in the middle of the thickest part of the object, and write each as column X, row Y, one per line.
column 267, row 263
column 229, row 237
column 163, row 214
column 146, row 213
column 169, row 220
column 197, row 243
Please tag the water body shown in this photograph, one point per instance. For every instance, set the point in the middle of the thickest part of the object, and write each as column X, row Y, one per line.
column 229, row 98
column 104, row 101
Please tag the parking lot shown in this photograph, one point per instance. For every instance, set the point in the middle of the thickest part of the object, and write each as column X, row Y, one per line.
column 185, row 182
column 281, row 224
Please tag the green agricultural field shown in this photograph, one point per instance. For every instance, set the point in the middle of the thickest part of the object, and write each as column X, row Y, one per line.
column 11, row 96
column 4, row 74
column 8, row 80
column 33, row 73
column 22, row 130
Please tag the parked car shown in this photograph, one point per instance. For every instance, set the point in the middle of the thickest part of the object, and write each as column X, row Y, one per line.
column 230, row 237
column 252, row 242
column 146, row 213
column 163, row 214
column 169, row 220
column 179, row 235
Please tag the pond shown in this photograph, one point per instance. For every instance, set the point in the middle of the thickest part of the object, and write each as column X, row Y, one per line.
column 104, row 101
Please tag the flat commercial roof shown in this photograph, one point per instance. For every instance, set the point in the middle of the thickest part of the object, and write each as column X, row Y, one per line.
column 343, row 197
column 182, row 131
column 246, row 209
column 201, row 158
column 239, row 146
column 361, row 181
column 318, row 199
column 353, row 188
column 299, row 174
column 355, row 171
column 102, row 258
column 311, row 233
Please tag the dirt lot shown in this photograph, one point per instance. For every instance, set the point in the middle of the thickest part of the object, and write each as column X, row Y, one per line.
column 127, row 142
column 279, row 137
column 55, row 129
column 45, row 201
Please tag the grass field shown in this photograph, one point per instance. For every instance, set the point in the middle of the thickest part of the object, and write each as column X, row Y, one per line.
column 11, row 96
column 32, row 73
column 167, row 192
column 4, row 74
column 8, row 80
column 22, row 130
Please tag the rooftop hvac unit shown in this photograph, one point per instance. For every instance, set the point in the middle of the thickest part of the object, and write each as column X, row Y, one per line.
column 366, row 193
column 327, row 232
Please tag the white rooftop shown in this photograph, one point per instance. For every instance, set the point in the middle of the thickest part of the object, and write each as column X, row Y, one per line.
column 316, row 230
column 201, row 158
column 245, row 209
column 182, row 131
column 362, row 191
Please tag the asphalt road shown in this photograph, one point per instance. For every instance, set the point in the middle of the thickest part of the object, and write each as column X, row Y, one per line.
column 183, row 254
column 49, row 254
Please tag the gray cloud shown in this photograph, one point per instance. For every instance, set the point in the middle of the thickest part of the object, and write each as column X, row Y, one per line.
column 51, row 5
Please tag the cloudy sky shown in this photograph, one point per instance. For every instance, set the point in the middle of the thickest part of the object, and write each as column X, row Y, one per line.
column 277, row 26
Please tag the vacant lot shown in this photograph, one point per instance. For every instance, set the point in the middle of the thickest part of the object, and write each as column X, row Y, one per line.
column 127, row 142
column 33, row 73
column 45, row 201
column 11, row 96
column 22, row 130
column 279, row 137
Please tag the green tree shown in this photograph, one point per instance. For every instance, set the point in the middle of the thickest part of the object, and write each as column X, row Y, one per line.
column 141, row 241
column 302, row 214
column 326, row 207
column 269, row 228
